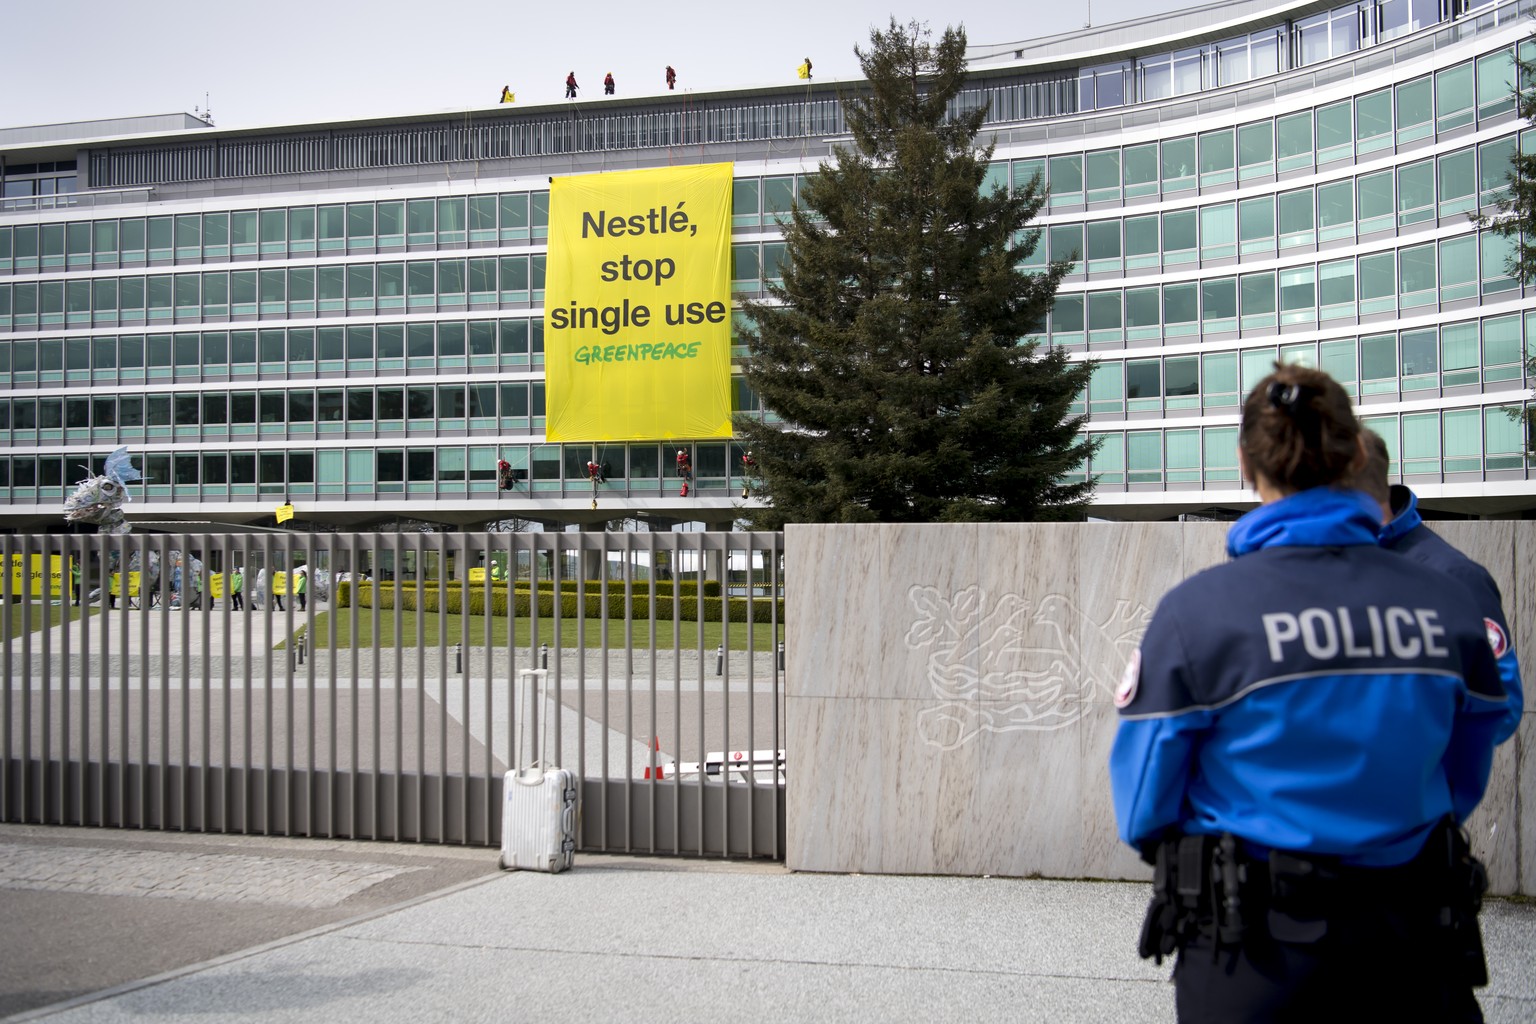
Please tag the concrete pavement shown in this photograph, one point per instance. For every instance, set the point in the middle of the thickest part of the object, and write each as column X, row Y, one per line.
column 414, row 933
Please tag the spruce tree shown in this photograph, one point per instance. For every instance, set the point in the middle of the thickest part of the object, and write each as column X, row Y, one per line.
column 894, row 355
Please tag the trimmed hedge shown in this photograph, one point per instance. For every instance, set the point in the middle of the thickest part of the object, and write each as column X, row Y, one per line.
column 430, row 599
column 668, row 587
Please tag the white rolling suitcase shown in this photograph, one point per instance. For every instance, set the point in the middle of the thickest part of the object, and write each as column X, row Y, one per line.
column 538, row 806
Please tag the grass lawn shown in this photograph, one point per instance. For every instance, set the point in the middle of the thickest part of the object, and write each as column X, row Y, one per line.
column 762, row 633
column 41, row 612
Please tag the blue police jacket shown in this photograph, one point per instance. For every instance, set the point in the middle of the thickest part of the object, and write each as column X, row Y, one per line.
column 1407, row 535
column 1319, row 694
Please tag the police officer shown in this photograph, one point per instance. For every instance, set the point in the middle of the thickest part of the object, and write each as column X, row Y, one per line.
column 1403, row 531
column 1302, row 732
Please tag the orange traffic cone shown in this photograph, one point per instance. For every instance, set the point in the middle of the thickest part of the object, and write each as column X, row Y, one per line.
column 660, row 771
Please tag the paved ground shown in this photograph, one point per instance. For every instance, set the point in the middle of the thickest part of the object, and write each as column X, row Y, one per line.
column 107, row 926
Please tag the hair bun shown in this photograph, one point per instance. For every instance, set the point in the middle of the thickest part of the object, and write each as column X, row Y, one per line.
column 1286, row 396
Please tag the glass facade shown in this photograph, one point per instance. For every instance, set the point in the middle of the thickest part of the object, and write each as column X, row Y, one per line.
column 361, row 348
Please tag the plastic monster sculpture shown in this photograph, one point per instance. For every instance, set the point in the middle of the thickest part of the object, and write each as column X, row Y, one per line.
column 100, row 499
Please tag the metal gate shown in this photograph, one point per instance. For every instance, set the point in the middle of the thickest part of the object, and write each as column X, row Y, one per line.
column 357, row 687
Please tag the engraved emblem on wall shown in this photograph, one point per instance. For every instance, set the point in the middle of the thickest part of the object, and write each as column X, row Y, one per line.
column 1003, row 664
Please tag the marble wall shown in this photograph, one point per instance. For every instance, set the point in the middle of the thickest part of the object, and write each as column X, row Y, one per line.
column 950, row 692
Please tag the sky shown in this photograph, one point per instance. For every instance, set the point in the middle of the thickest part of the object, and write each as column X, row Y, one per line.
column 291, row 62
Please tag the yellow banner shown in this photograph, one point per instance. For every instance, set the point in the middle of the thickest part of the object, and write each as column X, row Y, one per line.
column 114, row 586
column 637, row 305
column 284, row 513
column 25, row 583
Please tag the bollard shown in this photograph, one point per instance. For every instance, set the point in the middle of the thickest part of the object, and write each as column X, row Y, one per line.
column 458, row 658
column 543, row 655
column 720, row 660
column 781, row 656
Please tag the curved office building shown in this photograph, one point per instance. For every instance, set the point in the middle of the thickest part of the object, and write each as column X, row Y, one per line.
column 348, row 316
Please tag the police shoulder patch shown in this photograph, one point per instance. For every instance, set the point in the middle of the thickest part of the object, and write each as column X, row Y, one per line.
column 1126, row 691
column 1497, row 638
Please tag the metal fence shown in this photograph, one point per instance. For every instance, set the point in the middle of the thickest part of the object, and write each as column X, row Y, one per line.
column 382, row 702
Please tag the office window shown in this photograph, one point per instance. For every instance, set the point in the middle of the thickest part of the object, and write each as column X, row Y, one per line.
column 1503, row 437
column 1298, row 295
column 1143, row 313
column 1181, row 309
column 1419, row 352
column 1181, row 454
column 1415, row 110
column 1497, row 253
column 1458, row 268
column 301, row 229
column 360, row 407
column 1181, row 382
column 389, row 222
column 1336, row 289
column 1335, row 132
column 1416, row 192
column 1373, row 121
column 1421, row 443
column 1494, row 164
column 1218, row 304
column 1416, row 276
column 1218, row 158
column 450, row 221
column 1144, row 380
column 1104, row 310
column 360, row 224
column 1066, row 242
column 1463, row 440
column 1295, row 215
column 1378, row 364
column 1220, row 454
column 1502, row 356
column 1067, row 320
column 514, row 216
column 301, row 407
column 482, row 219
column 1256, row 149
column 1377, row 282
column 1256, row 365
column 1108, row 463
column 1025, row 173
column 1106, row 390
column 1140, row 168
column 1256, row 225
column 1458, row 354
column 1495, row 83
column 1144, row 456
column 333, row 228
column 1066, row 179
column 1455, row 102
column 1293, row 141
column 1257, row 301
column 1218, row 231
column 1141, row 242
column 1103, row 243
column 1178, row 164
column 1102, row 175
column 1336, row 210
column 1180, row 239
column 1337, row 360
column 1458, row 184
column 420, row 222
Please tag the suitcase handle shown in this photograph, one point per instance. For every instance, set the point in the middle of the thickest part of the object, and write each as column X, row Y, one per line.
column 536, row 680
